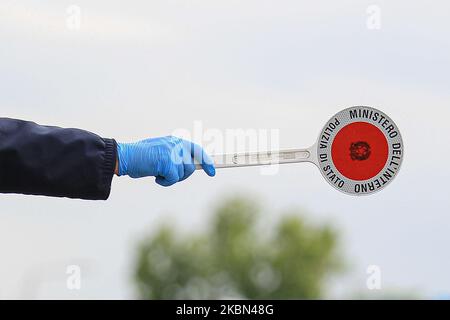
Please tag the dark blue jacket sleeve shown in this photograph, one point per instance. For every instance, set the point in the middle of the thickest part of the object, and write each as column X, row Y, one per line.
column 52, row 161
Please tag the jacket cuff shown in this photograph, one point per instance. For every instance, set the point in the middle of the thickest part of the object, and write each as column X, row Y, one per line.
column 109, row 165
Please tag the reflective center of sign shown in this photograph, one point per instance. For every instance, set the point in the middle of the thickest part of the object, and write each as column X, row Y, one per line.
column 359, row 151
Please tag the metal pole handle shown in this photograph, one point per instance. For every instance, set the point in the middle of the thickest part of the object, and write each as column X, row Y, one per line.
column 248, row 159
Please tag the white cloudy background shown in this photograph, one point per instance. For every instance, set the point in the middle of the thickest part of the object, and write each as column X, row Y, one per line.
column 137, row 69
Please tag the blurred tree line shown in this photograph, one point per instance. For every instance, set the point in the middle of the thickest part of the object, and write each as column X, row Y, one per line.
column 236, row 258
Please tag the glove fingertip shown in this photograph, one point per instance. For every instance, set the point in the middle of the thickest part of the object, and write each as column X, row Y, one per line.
column 163, row 182
column 209, row 169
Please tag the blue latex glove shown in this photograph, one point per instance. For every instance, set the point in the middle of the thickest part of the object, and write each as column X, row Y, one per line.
column 169, row 159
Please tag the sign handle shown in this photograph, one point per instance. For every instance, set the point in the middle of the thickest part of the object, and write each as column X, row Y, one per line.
column 248, row 159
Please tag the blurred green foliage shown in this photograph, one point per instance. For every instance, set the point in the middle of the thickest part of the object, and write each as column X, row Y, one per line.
column 237, row 258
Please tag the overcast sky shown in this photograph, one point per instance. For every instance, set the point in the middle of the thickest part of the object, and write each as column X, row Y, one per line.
column 146, row 68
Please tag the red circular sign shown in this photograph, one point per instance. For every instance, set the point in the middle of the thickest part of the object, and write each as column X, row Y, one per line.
column 359, row 151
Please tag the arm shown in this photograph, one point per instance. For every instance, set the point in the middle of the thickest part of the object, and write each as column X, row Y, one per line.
column 52, row 161
column 73, row 163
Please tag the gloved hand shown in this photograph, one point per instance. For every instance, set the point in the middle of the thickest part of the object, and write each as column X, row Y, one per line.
column 169, row 159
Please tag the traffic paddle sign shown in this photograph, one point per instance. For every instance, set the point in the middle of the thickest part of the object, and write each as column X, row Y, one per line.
column 359, row 151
